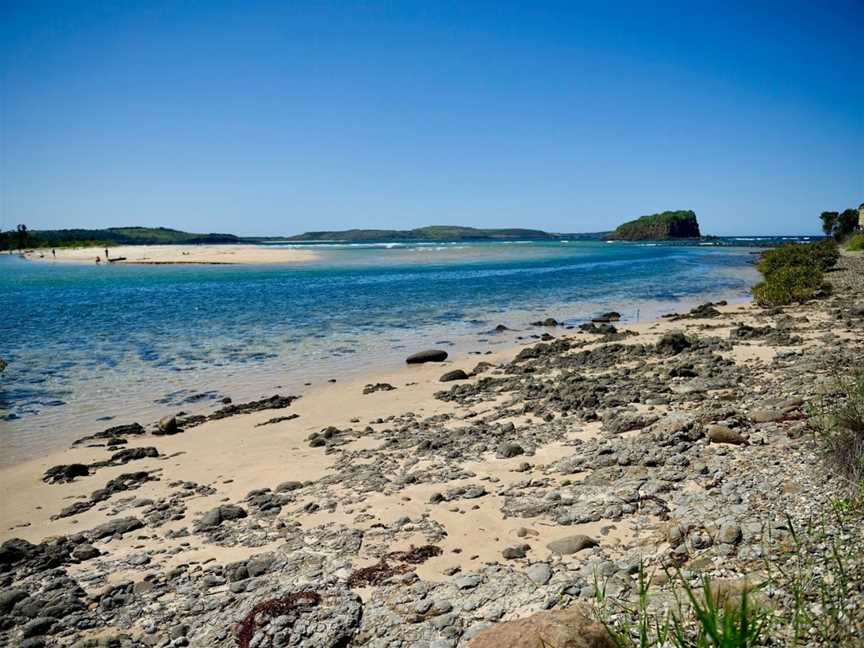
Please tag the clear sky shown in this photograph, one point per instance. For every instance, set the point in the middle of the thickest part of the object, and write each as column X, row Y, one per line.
column 279, row 117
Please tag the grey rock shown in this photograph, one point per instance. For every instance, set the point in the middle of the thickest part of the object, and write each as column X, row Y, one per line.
column 429, row 355
column 539, row 573
column 571, row 544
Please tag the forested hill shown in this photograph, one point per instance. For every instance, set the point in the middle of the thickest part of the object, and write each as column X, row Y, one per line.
column 432, row 233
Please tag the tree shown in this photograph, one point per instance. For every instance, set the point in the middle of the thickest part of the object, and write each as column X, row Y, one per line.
column 829, row 222
column 846, row 224
column 22, row 236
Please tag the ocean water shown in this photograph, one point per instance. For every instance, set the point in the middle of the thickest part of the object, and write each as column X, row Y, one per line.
column 92, row 346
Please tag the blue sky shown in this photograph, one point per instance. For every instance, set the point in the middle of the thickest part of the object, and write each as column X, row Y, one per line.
column 279, row 117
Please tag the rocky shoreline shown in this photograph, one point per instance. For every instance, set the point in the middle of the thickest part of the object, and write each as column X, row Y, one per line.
column 431, row 514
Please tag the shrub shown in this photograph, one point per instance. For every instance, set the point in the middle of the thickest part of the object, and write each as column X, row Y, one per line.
column 839, row 424
column 856, row 243
column 826, row 253
column 788, row 284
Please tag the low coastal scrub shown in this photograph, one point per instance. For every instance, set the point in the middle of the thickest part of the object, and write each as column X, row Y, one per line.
column 838, row 420
column 794, row 272
column 856, row 243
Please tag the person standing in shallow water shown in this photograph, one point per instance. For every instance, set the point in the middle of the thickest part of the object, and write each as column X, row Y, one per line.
column 106, row 255
column 53, row 253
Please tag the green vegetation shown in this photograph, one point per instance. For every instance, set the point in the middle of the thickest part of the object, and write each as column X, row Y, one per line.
column 838, row 419
column 666, row 225
column 839, row 225
column 794, row 272
column 856, row 243
column 22, row 238
column 431, row 233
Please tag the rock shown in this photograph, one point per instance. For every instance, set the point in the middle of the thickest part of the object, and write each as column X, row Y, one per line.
column 115, row 527
column 729, row 534
column 38, row 626
column 673, row 343
column 510, row 450
column 288, row 486
column 430, row 355
column 571, row 544
column 168, row 425
column 9, row 597
column 723, row 434
column 611, row 316
column 216, row 516
column 456, row 374
column 85, row 551
column 371, row 389
column 573, row 627
column 469, row 580
column 539, row 573
column 514, row 553
column 65, row 473
column 549, row 321
column 766, row 415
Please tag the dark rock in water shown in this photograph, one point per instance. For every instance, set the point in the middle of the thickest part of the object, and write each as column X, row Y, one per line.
column 549, row 321
column 371, row 389
column 673, row 343
column 430, row 355
column 65, row 473
column 611, row 316
column 226, row 401
column 214, row 517
column 456, row 374
column 167, row 425
column 274, row 402
column 115, row 527
column 500, row 328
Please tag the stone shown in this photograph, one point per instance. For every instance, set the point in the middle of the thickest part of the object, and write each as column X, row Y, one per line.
column 510, row 450
column 9, row 597
column 214, row 517
column 539, row 573
column 456, row 374
column 514, row 553
column 571, row 544
column 168, row 425
column 723, row 434
column 288, row 486
column 573, row 627
column 115, row 527
column 429, row 355
column 766, row 415
column 65, row 473
column 85, row 551
column 673, row 343
column 469, row 580
column 729, row 534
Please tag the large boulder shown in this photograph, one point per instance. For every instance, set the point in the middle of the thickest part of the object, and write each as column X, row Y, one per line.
column 430, row 355
column 214, row 517
column 570, row 628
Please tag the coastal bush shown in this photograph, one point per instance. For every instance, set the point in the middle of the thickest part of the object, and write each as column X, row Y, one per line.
column 856, row 243
column 838, row 420
column 788, row 284
column 793, row 272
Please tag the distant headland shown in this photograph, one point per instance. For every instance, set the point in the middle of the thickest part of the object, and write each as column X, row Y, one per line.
column 668, row 225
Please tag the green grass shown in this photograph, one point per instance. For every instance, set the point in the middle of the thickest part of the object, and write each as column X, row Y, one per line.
column 856, row 243
column 794, row 272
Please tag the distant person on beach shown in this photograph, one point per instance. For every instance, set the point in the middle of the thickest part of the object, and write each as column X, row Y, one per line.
column 98, row 260
column 54, row 253
column 106, row 254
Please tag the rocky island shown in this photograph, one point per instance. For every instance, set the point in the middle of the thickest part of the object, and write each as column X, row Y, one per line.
column 664, row 226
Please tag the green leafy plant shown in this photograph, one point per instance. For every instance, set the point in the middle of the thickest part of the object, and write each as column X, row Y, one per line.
column 856, row 243
column 788, row 284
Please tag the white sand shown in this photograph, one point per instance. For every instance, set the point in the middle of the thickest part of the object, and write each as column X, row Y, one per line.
column 159, row 254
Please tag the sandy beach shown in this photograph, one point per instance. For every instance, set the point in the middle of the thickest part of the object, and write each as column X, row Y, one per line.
column 175, row 254
column 518, row 487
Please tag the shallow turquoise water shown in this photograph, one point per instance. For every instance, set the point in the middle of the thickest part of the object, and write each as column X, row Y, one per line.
column 86, row 342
